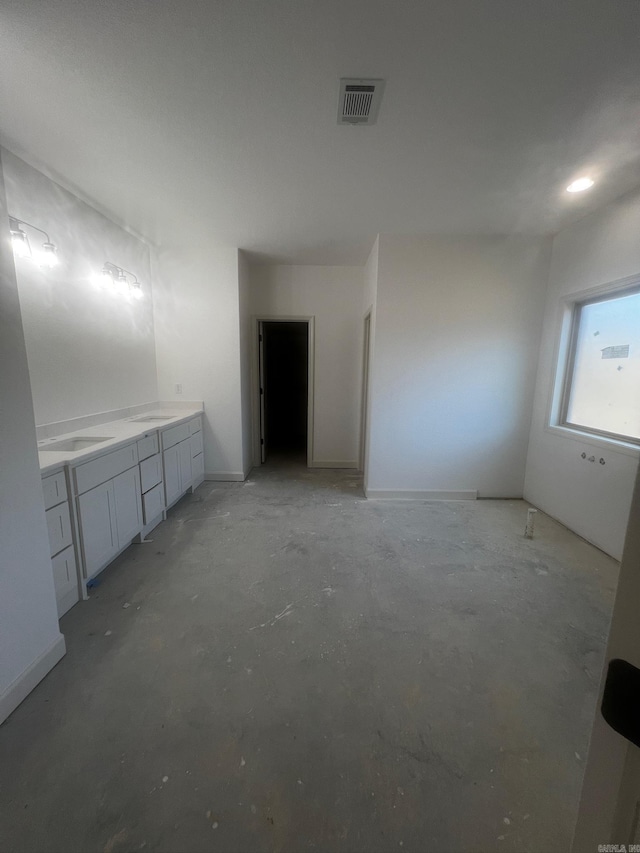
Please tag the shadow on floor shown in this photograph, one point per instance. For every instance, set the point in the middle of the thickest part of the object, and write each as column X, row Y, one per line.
column 288, row 467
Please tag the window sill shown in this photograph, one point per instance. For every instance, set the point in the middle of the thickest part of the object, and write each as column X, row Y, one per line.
column 611, row 444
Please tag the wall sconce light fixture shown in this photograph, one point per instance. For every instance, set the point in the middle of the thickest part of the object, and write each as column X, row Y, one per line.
column 118, row 277
column 48, row 257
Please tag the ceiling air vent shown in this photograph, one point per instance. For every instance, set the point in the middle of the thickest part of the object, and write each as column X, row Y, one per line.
column 359, row 100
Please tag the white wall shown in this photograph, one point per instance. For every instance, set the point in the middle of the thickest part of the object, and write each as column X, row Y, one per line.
column 591, row 499
column 333, row 295
column 456, row 342
column 88, row 352
column 246, row 349
column 197, row 321
column 30, row 642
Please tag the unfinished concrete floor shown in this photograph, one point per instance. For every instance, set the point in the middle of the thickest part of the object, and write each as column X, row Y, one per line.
column 289, row 667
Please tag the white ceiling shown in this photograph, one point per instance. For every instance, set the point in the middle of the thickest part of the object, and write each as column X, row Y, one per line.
column 218, row 119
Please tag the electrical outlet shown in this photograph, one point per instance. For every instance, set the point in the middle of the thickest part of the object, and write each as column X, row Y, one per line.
column 179, row 388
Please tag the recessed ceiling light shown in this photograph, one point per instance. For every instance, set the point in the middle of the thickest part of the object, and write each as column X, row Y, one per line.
column 580, row 185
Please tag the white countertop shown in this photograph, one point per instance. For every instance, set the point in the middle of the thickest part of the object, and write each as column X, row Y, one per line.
column 118, row 432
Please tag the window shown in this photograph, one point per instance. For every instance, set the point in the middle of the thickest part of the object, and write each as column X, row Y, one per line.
column 602, row 384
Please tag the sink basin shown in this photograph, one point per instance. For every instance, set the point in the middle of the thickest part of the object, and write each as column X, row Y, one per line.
column 78, row 442
column 148, row 418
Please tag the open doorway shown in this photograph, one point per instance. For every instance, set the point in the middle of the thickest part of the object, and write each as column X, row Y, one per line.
column 284, row 359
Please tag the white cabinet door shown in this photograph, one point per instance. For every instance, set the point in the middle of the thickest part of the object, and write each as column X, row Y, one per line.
column 96, row 509
column 196, row 444
column 172, row 484
column 185, row 464
column 128, row 505
column 177, row 470
column 197, row 469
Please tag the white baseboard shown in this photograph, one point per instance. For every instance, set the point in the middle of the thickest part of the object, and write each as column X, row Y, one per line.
column 422, row 495
column 33, row 674
column 67, row 601
column 225, row 476
column 334, row 463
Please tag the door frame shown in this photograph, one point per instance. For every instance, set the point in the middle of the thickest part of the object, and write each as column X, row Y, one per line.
column 256, row 319
column 366, row 373
column 609, row 811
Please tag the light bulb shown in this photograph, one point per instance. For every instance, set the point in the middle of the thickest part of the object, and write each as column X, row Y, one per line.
column 105, row 278
column 136, row 290
column 49, row 257
column 580, row 185
column 121, row 283
column 20, row 242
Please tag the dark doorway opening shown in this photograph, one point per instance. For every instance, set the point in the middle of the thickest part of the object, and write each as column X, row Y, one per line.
column 285, row 353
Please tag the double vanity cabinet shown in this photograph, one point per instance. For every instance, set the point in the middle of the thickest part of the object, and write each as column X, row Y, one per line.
column 96, row 507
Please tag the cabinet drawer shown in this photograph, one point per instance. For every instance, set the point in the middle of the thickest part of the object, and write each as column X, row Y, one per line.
column 148, row 445
column 104, row 468
column 150, row 472
column 54, row 489
column 195, row 425
column 153, row 503
column 197, row 468
column 65, row 580
column 196, row 444
column 59, row 528
column 175, row 434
